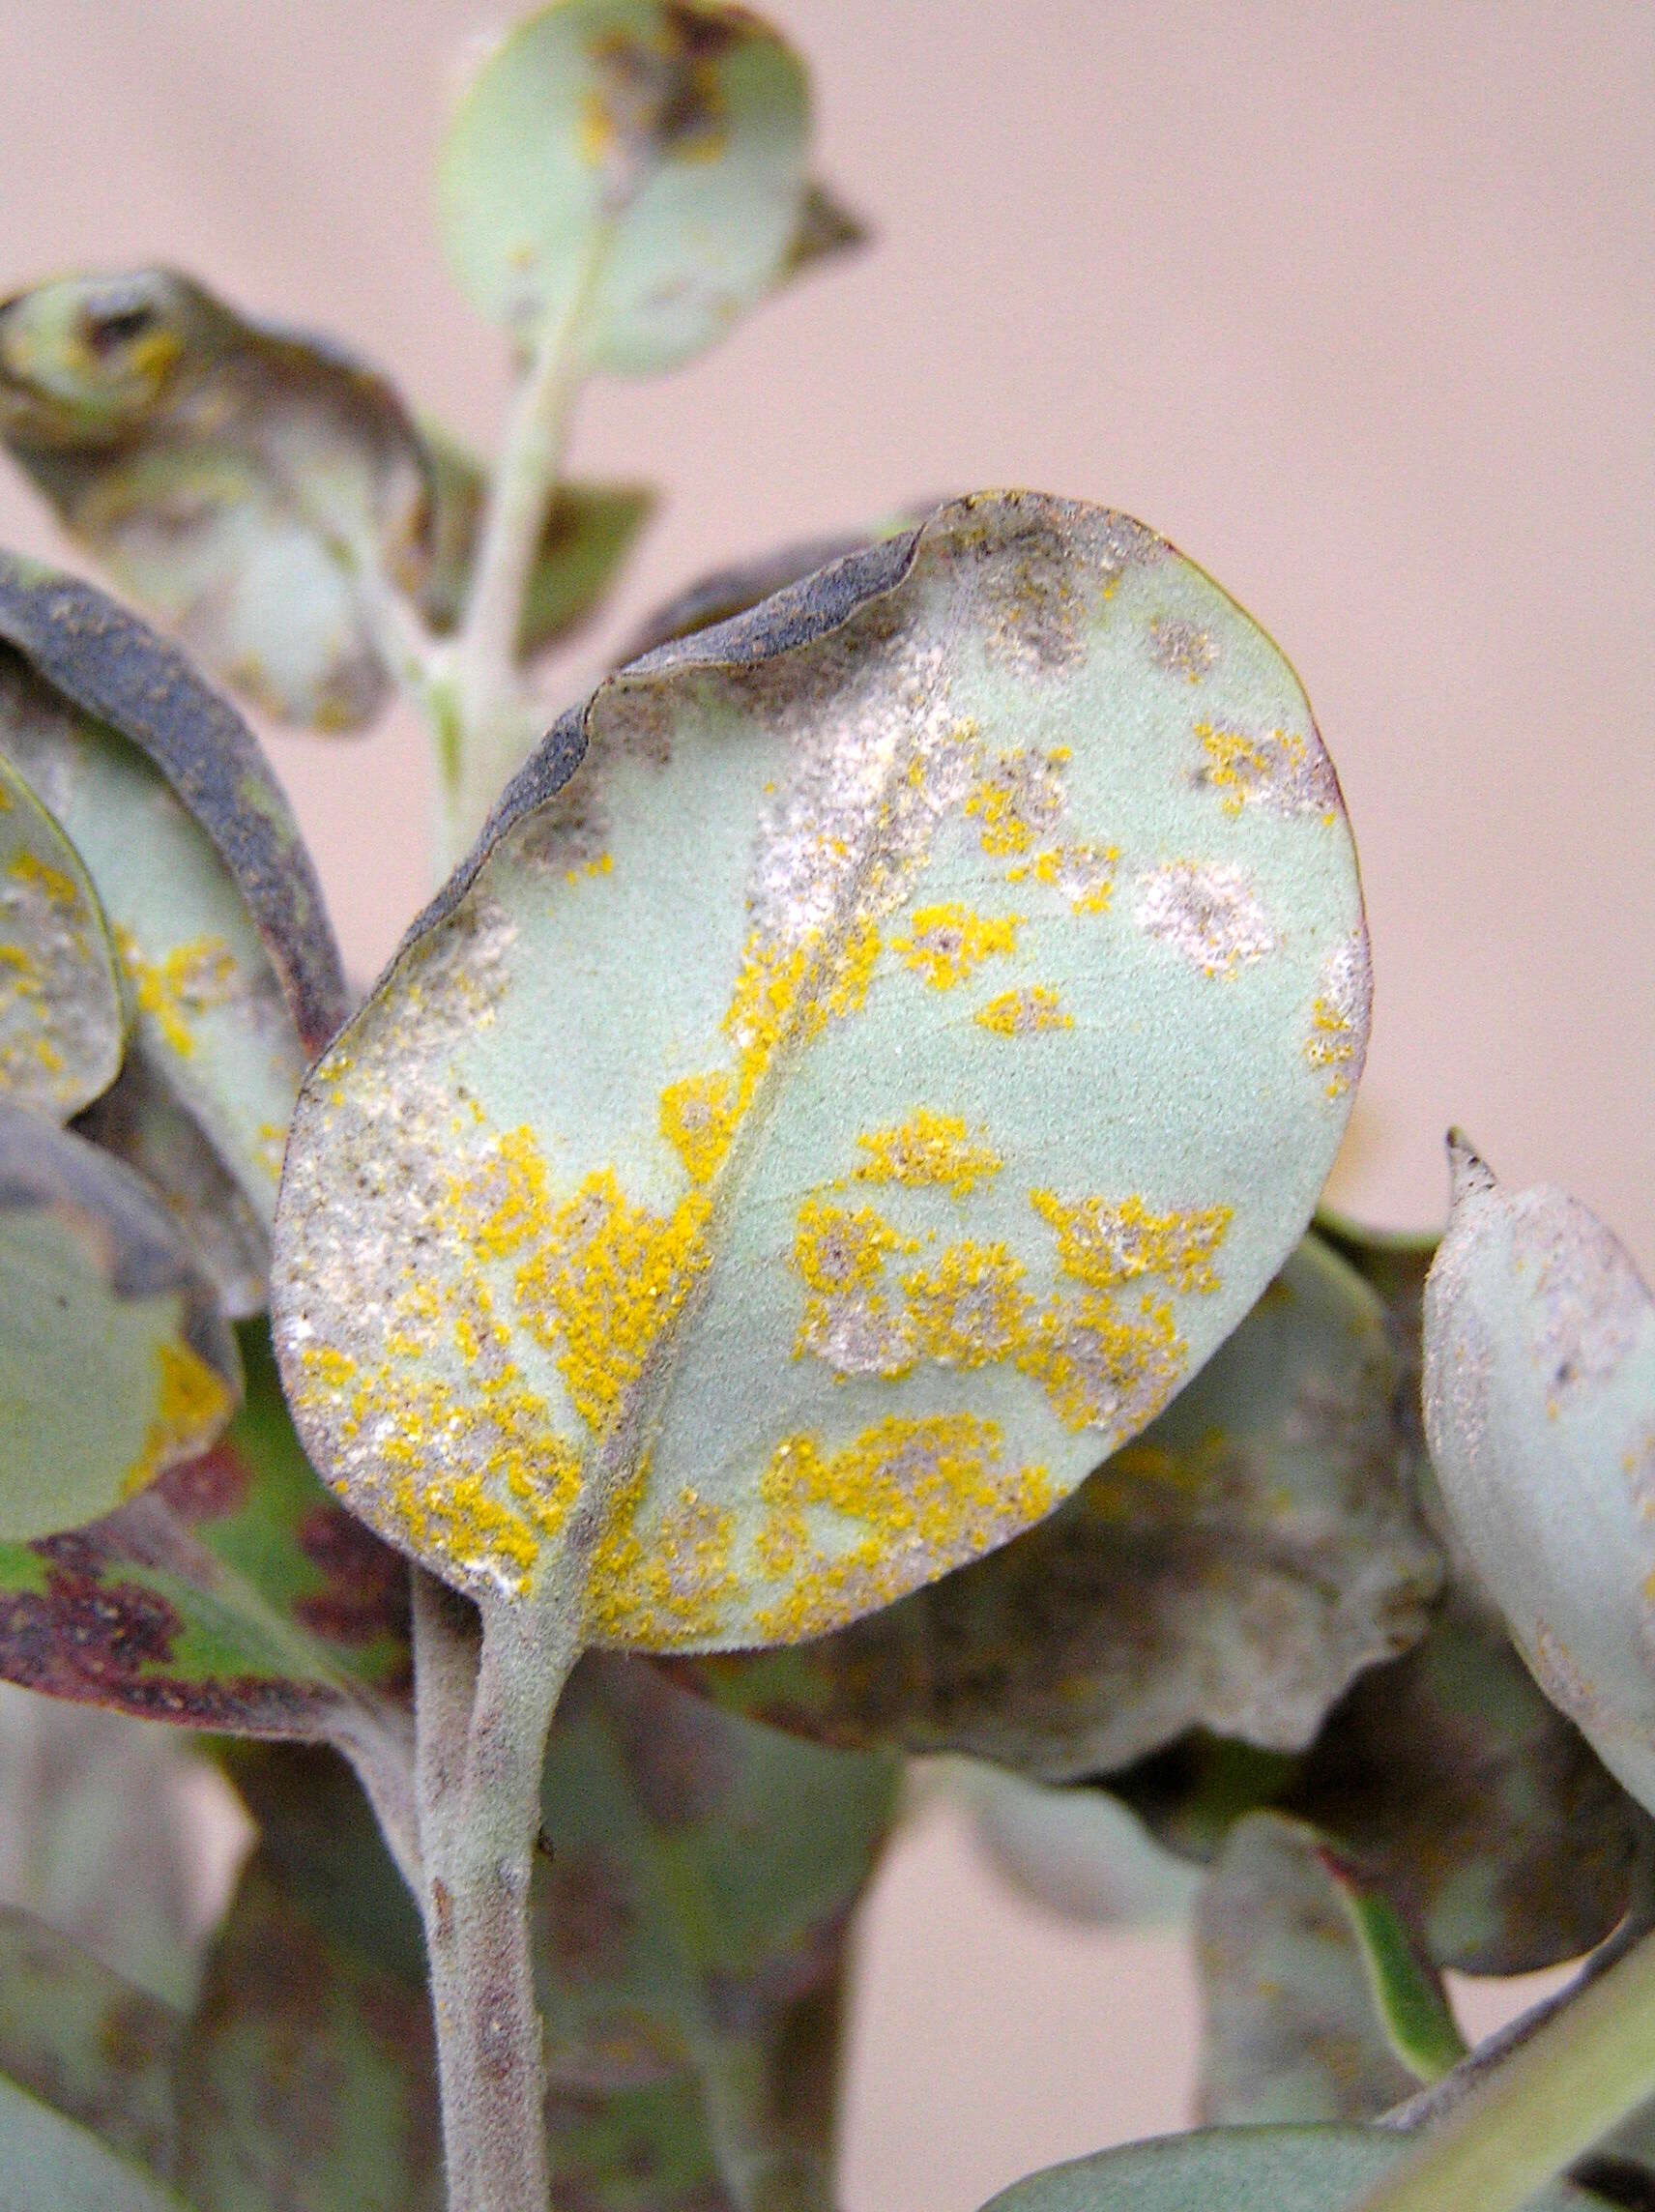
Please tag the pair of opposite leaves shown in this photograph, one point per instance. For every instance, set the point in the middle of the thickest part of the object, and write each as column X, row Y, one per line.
column 639, row 161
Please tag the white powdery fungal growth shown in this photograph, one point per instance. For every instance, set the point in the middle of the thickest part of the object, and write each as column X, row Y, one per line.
column 1207, row 915
column 1540, row 1410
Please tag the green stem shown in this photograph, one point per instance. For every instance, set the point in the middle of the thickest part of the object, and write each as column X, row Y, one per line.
column 1554, row 2097
column 496, row 716
column 482, row 1713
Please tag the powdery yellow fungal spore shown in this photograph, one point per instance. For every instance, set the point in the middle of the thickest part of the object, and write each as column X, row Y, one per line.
column 1103, row 1244
column 927, row 1150
column 180, row 987
column 945, row 943
column 191, row 1403
column 1024, row 1013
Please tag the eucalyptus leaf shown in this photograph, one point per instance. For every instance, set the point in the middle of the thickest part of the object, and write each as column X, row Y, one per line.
column 1319, row 2003
column 1079, row 1852
column 252, row 486
column 693, row 1914
column 51, row 2164
column 307, row 2076
column 731, row 591
column 638, row 2150
column 87, row 2043
column 115, row 1359
column 140, row 1121
column 1233, row 2169
column 696, row 1232
column 234, row 1596
column 590, row 531
column 1456, row 1789
column 632, row 170
column 215, row 908
column 63, row 1016
column 1540, row 1408
column 1235, row 1568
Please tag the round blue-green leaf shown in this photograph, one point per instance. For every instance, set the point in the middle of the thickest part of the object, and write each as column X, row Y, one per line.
column 636, row 163
column 881, row 1048
column 63, row 1018
column 1232, row 2170
column 115, row 1359
column 1540, row 1409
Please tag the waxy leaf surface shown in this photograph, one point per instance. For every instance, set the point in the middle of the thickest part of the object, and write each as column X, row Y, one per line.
column 115, row 1360
column 215, row 910
column 234, row 1596
column 1079, row 1852
column 590, row 531
column 237, row 480
column 1234, row 2169
column 812, row 1131
column 1233, row 1568
column 635, row 166
column 1308, row 1983
column 63, row 1018
column 1540, row 1409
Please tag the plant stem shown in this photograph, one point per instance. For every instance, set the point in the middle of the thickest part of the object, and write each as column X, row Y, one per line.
column 482, row 1712
column 1553, row 2097
column 495, row 714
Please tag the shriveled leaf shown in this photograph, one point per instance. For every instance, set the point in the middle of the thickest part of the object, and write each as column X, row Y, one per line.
column 638, row 2150
column 703, row 1871
column 589, row 532
column 1308, row 1981
column 1454, row 1787
column 307, row 2076
column 141, row 1122
column 236, row 479
column 1079, row 1852
column 86, row 2041
column 700, row 1210
column 215, row 908
column 1234, row 1569
column 1540, row 1408
column 1233, row 2169
column 234, row 1596
column 635, row 166
column 725, row 591
column 63, row 1019
column 115, row 1359
column 51, row 2162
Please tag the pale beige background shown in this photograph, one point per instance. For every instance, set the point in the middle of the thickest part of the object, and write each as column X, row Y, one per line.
column 1354, row 301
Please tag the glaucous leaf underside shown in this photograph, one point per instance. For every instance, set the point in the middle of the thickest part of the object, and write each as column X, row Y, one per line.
column 236, row 479
column 638, row 164
column 1235, row 1568
column 115, row 1359
column 235, row 1595
column 1540, row 1408
column 63, row 1013
column 213, row 906
column 879, row 1051
column 1241, row 2169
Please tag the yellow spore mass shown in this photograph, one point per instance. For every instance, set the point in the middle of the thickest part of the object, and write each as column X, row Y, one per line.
column 1016, row 797
column 1104, row 1369
column 928, row 1150
column 918, row 1495
column 1103, row 1243
column 946, row 944
column 35, row 874
column 1025, row 1013
column 1085, row 874
column 604, row 1286
column 1239, row 767
column 836, row 1249
column 191, row 1402
column 188, row 981
column 673, row 1590
column 698, row 1120
column 1331, row 1044
column 969, row 1308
